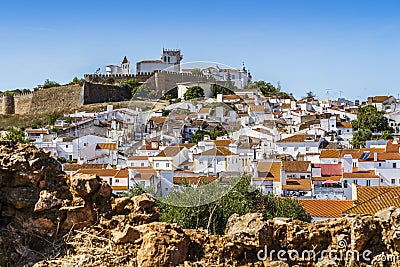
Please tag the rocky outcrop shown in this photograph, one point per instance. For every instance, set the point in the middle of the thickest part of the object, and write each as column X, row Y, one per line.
column 50, row 219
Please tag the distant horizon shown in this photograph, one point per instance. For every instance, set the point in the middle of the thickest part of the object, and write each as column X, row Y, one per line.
column 350, row 47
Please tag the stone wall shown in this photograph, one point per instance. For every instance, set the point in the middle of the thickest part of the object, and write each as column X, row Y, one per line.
column 99, row 78
column 56, row 99
column 100, row 93
column 23, row 103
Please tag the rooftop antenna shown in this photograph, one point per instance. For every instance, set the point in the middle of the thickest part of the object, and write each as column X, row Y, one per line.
column 340, row 93
column 327, row 92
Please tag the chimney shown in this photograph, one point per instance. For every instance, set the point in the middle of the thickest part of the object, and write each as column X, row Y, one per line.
column 347, row 163
column 375, row 156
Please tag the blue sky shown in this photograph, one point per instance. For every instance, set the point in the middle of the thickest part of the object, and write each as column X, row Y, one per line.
column 351, row 46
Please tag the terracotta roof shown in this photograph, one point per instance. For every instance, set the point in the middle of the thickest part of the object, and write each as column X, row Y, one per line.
column 378, row 99
column 330, row 153
column 379, row 202
column 329, row 169
column 222, row 142
column 344, row 124
column 269, row 170
column 390, row 147
column 170, row 151
column 119, row 187
column 257, row 108
column 158, row 120
column 99, row 172
column 138, row 158
column 148, row 147
column 144, row 173
column 365, row 193
column 297, row 184
column 360, row 174
column 37, row 131
column 204, row 110
column 75, row 167
column 297, row 138
column 328, row 177
column 230, row 97
column 388, row 156
column 296, row 166
column 326, row 208
column 107, row 146
column 218, row 151
column 124, row 173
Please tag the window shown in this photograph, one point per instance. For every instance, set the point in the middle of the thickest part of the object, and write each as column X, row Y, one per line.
column 354, row 164
column 117, row 180
column 381, row 180
column 142, row 164
column 157, row 165
column 66, row 146
column 307, row 148
column 393, row 181
column 355, row 181
column 285, row 148
column 368, row 183
column 345, row 184
column 394, row 165
column 167, row 165
column 132, row 164
column 380, row 164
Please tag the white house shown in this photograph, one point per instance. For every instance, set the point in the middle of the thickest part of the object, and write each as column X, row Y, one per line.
column 124, row 68
column 170, row 60
column 299, row 144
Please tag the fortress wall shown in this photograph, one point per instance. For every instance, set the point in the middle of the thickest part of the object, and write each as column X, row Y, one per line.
column 100, row 93
column 59, row 98
column 23, row 103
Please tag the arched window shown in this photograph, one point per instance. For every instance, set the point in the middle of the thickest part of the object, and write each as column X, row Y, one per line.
column 165, row 58
column 169, row 59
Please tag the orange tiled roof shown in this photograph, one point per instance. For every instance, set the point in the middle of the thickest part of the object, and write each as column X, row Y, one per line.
column 99, row 172
column 328, row 177
column 158, row 120
column 257, row 108
column 107, row 146
column 138, row 158
column 75, row 167
column 297, row 138
column 204, row 110
column 365, row 193
column 218, row 151
column 344, row 124
column 296, row 166
column 360, row 174
column 119, row 187
column 170, row 151
column 390, row 147
column 326, row 208
column 222, row 142
column 297, row 184
column 330, row 153
column 124, row 173
column 271, row 169
column 379, row 202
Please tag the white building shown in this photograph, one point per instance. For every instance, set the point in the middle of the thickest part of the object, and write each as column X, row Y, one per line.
column 170, row 58
column 124, row 68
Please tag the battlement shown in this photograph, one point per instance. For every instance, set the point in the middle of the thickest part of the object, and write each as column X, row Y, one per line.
column 98, row 78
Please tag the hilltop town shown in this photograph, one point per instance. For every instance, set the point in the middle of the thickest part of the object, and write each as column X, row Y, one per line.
column 200, row 125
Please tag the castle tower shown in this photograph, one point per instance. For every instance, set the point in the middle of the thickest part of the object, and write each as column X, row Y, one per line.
column 125, row 66
column 8, row 104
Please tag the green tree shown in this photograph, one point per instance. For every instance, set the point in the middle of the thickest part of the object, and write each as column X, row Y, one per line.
column 360, row 137
column 197, row 71
column 198, row 136
column 49, row 84
column 16, row 135
column 51, row 119
column 368, row 117
column 183, row 206
column 77, row 81
column 193, row 92
column 310, row 94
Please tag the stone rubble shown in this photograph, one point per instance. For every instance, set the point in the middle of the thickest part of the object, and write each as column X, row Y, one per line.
column 50, row 219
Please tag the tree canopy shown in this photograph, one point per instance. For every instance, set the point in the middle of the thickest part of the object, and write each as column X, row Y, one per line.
column 16, row 135
column 193, row 92
column 370, row 120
